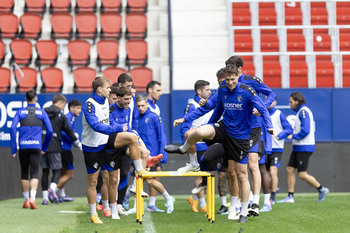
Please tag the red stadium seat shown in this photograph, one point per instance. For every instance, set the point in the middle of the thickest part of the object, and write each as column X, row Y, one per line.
column 107, row 52
column 293, row 16
column 241, row 17
column 267, row 17
column 83, row 77
column 35, row 6
column 136, row 6
column 249, row 68
column 5, row 75
column 346, row 73
column 85, row 6
column 141, row 76
column 344, row 41
column 31, row 25
column 269, row 43
column 2, row 52
column 112, row 73
column 343, row 17
column 322, row 42
column 79, row 53
column 243, row 43
column 86, row 26
column 111, row 25
column 111, row 6
column 46, row 53
column 298, row 74
column 6, row 6
column 272, row 74
column 60, row 6
column 26, row 79
column 62, row 26
column 52, row 78
column 21, row 50
column 136, row 52
column 296, row 43
column 8, row 25
column 319, row 16
column 136, row 26
column 324, row 73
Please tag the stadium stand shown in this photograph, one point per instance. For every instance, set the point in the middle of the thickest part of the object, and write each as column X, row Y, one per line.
column 47, row 53
column 136, row 6
column 21, row 50
column 26, row 79
column 31, row 26
column 141, row 76
column 5, row 75
column 52, row 79
column 107, row 53
column 136, row 52
column 62, row 26
column 35, row 6
column 85, row 6
column 111, row 25
column 60, row 6
column 86, row 26
column 136, row 26
column 112, row 73
column 83, row 77
column 298, row 74
column 8, row 25
column 6, row 6
column 79, row 53
column 111, row 6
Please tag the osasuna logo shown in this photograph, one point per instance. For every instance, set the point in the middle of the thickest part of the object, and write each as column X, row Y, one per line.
column 95, row 165
column 239, row 98
column 217, row 125
column 112, row 163
column 147, row 120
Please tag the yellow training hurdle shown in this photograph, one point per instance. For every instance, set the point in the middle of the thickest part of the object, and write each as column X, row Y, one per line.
column 210, row 191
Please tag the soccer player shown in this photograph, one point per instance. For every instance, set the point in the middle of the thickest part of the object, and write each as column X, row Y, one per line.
column 98, row 136
column 74, row 107
column 52, row 158
column 237, row 100
column 273, row 163
column 31, row 120
column 303, row 146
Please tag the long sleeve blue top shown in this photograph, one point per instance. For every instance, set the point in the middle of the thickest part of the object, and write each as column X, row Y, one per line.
column 66, row 141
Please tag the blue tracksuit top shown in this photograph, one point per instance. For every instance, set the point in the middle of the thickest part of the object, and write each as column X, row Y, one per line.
column 151, row 132
column 238, row 105
column 119, row 115
column 304, row 131
column 31, row 121
column 287, row 128
column 66, row 141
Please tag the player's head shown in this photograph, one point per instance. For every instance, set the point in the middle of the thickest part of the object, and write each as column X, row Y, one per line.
column 202, row 89
column 296, row 100
column 235, row 61
column 124, row 80
column 133, row 90
column 74, row 107
column 101, row 86
column 31, row 97
column 142, row 103
column 123, row 97
column 59, row 100
column 231, row 75
column 220, row 76
column 112, row 98
column 154, row 90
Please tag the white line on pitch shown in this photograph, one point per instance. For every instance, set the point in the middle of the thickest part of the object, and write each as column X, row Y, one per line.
column 147, row 220
column 71, row 212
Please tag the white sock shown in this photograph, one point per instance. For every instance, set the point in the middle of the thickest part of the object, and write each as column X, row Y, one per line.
column 59, row 192
column 32, row 194
column 193, row 159
column 46, row 195
column 256, row 199
column 233, row 203
column 26, row 196
column 113, row 207
column 223, row 200
column 251, row 196
column 202, row 202
column 105, row 205
column 267, row 199
column 138, row 165
column 63, row 193
column 53, row 186
column 194, row 197
column 151, row 201
column 166, row 195
column 238, row 203
column 185, row 147
column 92, row 209
column 244, row 210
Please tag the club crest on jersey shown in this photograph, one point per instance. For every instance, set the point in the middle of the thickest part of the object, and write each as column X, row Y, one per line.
column 147, row 120
column 241, row 156
column 217, row 125
column 95, row 165
column 112, row 163
column 239, row 98
column 225, row 96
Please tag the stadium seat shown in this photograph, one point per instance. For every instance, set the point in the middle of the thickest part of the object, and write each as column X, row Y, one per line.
column 243, row 43
column 112, row 73
column 141, row 76
column 52, row 79
column 62, row 26
column 60, row 6
column 137, row 6
column 111, row 25
column 296, row 43
column 86, row 26
column 35, row 6
column 272, row 74
column 107, row 51
column 8, row 25
column 79, row 53
column 267, row 17
column 21, row 50
column 2, row 52
column 324, row 73
column 85, row 6
column 249, row 68
column 346, row 73
column 136, row 26
column 111, row 6
column 5, row 75
column 31, row 25
column 298, row 74
column 83, row 77
column 343, row 16
column 136, row 52
column 269, row 43
column 26, row 79
column 46, row 53
column 6, row 6
column 293, row 16
column 241, row 17
column 319, row 16
column 344, row 42
column 322, row 42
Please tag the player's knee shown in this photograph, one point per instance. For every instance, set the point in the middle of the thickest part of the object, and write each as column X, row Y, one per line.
column 302, row 175
column 290, row 169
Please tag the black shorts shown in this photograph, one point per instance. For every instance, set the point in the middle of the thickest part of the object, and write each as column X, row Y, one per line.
column 113, row 158
column 213, row 158
column 67, row 160
column 254, row 141
column 235, row 149
column 274, row 159
column 29, row 158
column 299, row 160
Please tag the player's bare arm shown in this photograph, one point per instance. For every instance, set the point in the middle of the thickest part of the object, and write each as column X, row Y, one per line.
column 178, row 122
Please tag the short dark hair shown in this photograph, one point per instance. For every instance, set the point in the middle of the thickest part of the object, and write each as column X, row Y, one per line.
column 227, row 71
column 58, row 98
column 30, row 95
column 200, row 84
column 152, row 84
column 98, row 82
column 297, row 96
column 234, row 60
column 74, row 103
column 220, row 74
column 141, row 97
column 123, row 78
column 121, row 91
column 114, row 90
column 133, row 86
